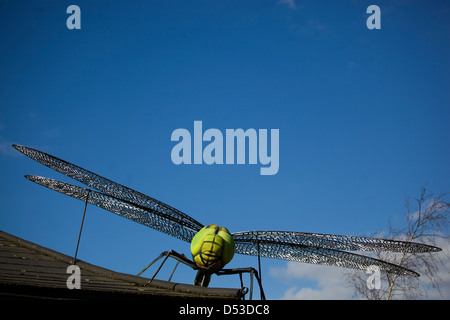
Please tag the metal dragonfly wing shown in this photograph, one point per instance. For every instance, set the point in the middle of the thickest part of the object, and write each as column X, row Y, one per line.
column 115, row 197
column 165, row 221
column 312, row 248
column 325, row 249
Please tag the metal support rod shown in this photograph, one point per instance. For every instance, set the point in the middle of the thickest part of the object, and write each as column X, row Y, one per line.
column 260, row 274
column 81, row 227
column 263, row 296
column 259, row 263
column 251, row 284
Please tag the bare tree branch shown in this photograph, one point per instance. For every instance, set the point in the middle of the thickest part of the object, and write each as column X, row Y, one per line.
column 426, row 222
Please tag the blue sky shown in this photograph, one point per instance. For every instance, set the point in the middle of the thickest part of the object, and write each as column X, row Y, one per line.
column 363, row 116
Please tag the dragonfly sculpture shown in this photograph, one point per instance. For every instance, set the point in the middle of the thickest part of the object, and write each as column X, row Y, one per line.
column 212, row 247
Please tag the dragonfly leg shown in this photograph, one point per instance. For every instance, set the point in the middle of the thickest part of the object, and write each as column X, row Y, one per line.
column 252, row 271
column 166, row 254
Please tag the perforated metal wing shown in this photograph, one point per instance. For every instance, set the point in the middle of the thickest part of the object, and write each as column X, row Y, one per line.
column 151, row 218
column 332, row 241
column 324, row 249
column 111, row 188
column 317, row 255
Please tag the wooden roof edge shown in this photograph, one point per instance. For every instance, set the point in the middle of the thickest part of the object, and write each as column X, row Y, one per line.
column 33, row 246
column 179, row 287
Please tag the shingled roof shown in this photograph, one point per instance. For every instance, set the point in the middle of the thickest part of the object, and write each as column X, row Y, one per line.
column 28, row 270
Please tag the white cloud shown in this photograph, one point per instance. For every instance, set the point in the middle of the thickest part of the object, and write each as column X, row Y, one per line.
column 443, row 273
column 329, row 282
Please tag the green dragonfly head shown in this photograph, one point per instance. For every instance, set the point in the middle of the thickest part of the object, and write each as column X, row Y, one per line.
column 212, row 248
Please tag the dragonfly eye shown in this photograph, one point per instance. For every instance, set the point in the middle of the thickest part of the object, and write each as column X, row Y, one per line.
column 212, row 248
